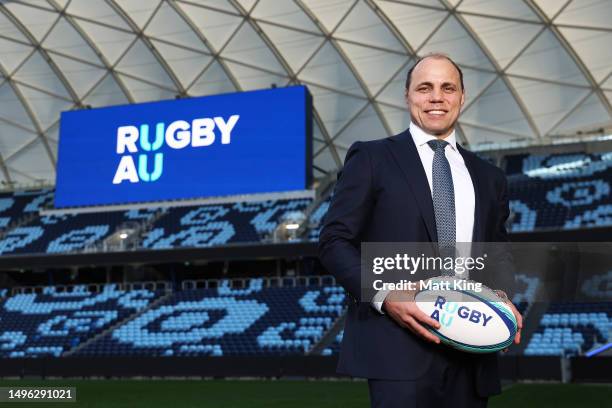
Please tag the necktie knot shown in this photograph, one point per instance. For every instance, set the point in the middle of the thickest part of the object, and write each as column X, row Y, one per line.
column 437, row 144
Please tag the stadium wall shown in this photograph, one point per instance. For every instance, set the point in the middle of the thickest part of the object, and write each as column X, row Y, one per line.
column 515, row 368
column 216, row 253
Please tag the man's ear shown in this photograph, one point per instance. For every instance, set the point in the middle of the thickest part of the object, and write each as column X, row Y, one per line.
column 462, row 99
column 406, row 96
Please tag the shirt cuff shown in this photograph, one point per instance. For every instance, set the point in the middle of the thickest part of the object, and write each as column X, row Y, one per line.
column 378, row 299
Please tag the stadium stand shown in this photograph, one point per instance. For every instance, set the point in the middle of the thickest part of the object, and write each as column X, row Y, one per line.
column 316, row 219
column 334, row 348
column 52, row 322
column 598, row 287
column 219, row 224
column 192, row 226
column 226, row 321
column 558, row 166
column 61, row 233
column 569, row 329
column 566, row 191
column 254, row 319
column 22, row 205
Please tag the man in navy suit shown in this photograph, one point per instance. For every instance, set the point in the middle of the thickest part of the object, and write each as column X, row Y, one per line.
column 418, row 186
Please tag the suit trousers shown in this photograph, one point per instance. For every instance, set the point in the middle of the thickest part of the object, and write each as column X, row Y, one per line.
column 449, row 382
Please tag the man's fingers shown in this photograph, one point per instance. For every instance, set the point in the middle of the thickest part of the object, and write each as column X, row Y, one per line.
column 420, row 330
column 412, row 318
column 517, row 315
column 423, row 318
column 519, row 325
column 519, row 322
column 517, row 337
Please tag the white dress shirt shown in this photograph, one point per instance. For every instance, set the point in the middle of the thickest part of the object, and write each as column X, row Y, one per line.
column 465, row 200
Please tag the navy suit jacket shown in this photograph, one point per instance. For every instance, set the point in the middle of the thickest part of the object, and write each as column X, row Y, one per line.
column 382, row 195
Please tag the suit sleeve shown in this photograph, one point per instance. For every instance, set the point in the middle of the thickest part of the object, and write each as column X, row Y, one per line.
column 340, row 238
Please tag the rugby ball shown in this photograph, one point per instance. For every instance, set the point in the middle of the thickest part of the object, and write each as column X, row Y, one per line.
column 472, row 317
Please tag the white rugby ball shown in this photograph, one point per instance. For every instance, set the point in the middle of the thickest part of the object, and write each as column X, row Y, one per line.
column 472, row 317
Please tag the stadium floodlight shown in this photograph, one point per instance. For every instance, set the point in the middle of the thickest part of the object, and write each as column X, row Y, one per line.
column 123, row 238
column 289, row 226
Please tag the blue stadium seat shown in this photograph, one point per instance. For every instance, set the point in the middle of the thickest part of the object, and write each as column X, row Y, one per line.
column 62, row 233
column 316, row 219
column 15, row 206
column 51, row 323
column 334, row 348
column 226, row 321
column 192, row 226
column 562, row 191
column 569, row 329
column 219, row 224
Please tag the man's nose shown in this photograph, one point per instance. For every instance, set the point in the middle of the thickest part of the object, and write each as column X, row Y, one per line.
column 435, row 95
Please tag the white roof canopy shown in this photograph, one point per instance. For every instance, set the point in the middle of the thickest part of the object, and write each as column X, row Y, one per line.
column 535, row 70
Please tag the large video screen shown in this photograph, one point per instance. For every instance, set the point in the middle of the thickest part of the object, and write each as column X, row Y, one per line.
column 221, row 145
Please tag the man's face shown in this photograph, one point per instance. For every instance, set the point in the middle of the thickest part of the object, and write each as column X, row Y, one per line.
column 435, row 97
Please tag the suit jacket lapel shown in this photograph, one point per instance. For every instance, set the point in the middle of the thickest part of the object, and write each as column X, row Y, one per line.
column 471, row 164
column 407, row 158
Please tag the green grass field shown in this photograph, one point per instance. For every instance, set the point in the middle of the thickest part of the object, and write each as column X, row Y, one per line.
column 285, row 393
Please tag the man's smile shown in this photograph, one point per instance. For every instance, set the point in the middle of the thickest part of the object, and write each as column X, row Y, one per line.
column 436, row 112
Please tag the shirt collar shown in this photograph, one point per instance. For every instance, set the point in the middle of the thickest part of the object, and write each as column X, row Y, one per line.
column 420, row 137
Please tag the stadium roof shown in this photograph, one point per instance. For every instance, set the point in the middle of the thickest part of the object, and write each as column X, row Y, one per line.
column 535, row 70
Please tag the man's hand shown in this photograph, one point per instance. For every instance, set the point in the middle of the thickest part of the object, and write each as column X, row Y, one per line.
column 517, row 315
column 519, row 321
column 400, row 306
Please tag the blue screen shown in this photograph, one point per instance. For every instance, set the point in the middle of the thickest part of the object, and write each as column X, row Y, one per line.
column 242, row 143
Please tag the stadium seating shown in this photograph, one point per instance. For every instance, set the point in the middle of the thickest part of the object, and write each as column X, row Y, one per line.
column 334, row 347
column 316, row 219
column 558, row 166
column 56, row 233
column 558, row 191
column 61, row 233
column 15, row 206
column 52, row 322
column 225, row 321
column 598, row 286
column 254, row 319
column 566, row 191
column 219, row 224
column 193, row 226
column 561, row 191
column 568, row 329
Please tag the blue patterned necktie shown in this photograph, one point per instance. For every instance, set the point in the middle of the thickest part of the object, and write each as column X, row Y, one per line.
column 443, row 201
